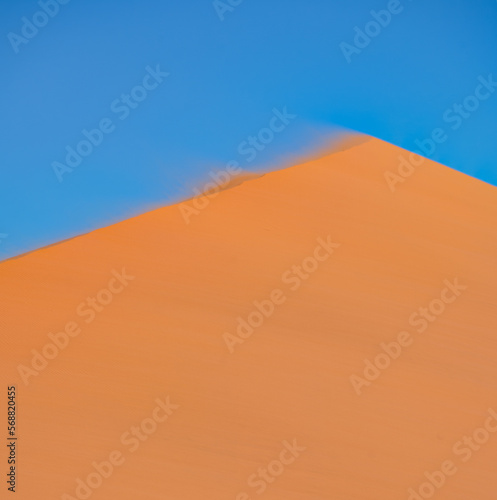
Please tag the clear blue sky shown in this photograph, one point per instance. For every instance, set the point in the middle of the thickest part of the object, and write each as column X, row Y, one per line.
column 225, row 78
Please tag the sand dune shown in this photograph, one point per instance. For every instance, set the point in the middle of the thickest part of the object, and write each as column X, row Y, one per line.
column 309, row 335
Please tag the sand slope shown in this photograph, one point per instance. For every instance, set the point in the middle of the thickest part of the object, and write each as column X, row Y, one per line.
column 163, row 335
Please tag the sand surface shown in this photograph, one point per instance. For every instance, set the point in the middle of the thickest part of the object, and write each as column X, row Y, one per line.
column 236, row 402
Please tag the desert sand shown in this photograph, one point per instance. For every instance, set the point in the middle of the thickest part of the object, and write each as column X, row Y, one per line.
column 170, row 383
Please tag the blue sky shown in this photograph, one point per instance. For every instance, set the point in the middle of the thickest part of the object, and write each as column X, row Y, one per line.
column 226, row 78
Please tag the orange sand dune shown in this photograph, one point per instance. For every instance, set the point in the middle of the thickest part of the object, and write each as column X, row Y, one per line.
column 309, row 335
